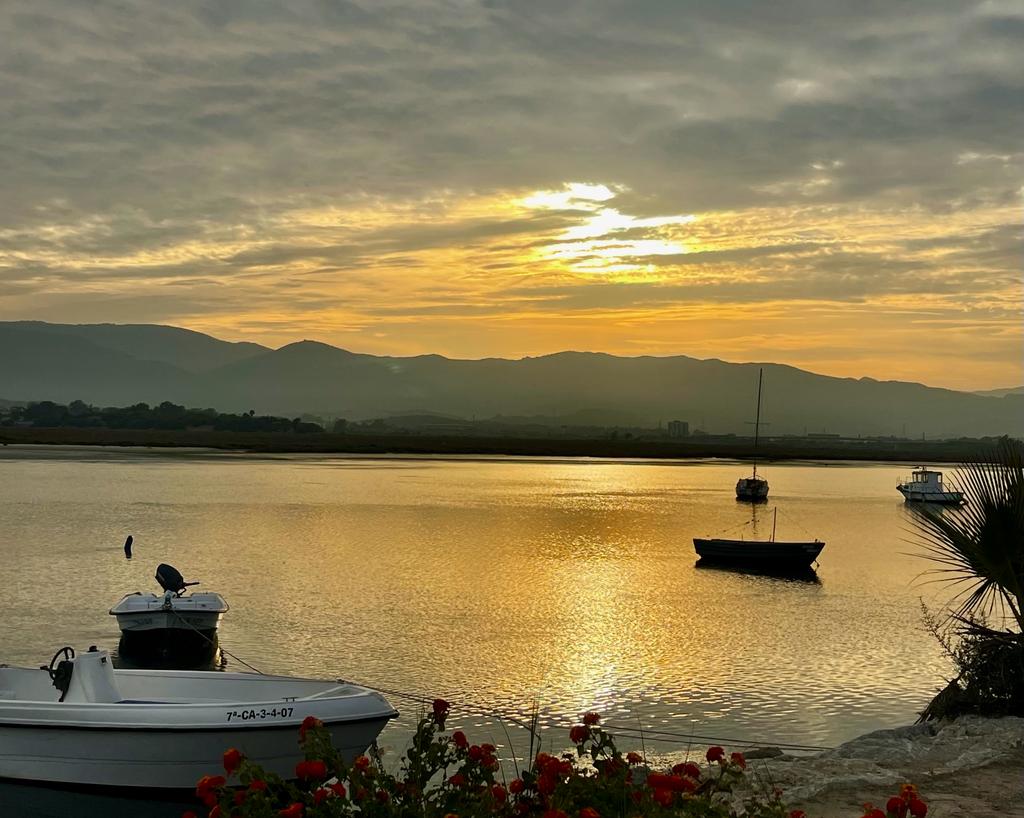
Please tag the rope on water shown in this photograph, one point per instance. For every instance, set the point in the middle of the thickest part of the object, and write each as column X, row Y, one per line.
column 216, row 644
column 628, row 731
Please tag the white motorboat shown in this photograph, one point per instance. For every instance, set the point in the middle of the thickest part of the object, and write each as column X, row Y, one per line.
column 925, row 486
column 174, row 622
column 83, row 722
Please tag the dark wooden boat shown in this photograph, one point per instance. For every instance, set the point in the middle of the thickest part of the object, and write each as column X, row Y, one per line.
column 764, row 554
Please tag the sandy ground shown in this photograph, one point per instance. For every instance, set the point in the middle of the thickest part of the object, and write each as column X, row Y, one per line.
column 968, row 768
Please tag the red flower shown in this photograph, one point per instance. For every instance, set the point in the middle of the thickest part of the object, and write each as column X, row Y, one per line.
column 457, row 780
column 383, row 797
column 897, row 806
column 546, row 783
column 589, row 812
column 189, row 814
column 258, row 785
column 546, row 763
column 307, row 770
column 739, row 760
column 440, row 708
column 918, row 808
column 688, row 769
column 207, row 788
column 362, row 763
column 232, row 760
column 663, row 797
column 459, row 739
column 579, row 734
column 338, row 789
column 475, row 753
column 499, row 793
column 488, row 749
column 294, row 811
column 634, row 758
column 308, row 724
column 555, row 813
column 215, row 812
column 211, row 782
column 240, row 797
column 515, row 786
column 798, row 813
column 872, row 812
column 590, row 719
column 715, row 754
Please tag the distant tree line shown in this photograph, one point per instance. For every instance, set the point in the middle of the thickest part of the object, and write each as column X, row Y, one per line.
column 167, row 415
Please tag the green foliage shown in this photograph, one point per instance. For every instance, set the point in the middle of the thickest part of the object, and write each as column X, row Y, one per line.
column 979, row 547
column 444, row 776
column 169, row 416
column 979, row 550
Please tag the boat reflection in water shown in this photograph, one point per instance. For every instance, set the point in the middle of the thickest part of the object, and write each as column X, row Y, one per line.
column 131, row 654
column 806, row 575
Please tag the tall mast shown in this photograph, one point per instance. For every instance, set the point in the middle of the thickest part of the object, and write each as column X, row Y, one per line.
column 775, row 519
column 757, row 417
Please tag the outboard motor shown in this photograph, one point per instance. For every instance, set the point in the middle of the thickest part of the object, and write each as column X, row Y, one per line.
column 171, row 580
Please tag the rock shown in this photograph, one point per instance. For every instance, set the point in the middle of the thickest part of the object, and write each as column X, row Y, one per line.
column 763, row 752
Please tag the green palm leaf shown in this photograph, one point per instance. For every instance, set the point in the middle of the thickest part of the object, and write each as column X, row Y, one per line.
column 978, row 548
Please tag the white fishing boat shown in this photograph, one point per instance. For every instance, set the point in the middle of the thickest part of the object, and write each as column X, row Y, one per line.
column 82, row 722
column 925, row 486
column 174, row 622
column 754, row 488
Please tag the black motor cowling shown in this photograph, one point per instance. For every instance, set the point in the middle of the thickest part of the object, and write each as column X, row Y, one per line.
column 170, row 579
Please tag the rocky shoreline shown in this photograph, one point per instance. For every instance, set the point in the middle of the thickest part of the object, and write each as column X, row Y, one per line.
column 968, row 768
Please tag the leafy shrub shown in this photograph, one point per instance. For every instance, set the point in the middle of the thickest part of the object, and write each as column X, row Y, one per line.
column 445, row 776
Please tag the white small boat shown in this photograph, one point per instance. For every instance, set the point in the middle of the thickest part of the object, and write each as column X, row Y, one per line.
column 82, row 722
column 925, row 486
column 170, row 623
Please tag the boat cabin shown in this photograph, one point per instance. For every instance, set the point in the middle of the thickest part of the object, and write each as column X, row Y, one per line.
column 926, row 479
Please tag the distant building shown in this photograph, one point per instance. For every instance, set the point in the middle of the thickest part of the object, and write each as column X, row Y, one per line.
column 678, row 428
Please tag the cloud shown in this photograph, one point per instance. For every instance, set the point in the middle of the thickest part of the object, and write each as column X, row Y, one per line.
column 318, row 165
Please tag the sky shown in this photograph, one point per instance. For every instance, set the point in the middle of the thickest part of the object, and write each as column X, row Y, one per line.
column 833, row 185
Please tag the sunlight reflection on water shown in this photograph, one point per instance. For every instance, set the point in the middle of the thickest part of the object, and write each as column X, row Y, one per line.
column 565, row 585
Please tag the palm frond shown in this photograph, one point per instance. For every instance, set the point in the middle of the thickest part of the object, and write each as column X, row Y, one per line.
column 978, row 548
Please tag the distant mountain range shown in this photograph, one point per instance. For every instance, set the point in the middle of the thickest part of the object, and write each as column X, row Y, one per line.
column 111, row 365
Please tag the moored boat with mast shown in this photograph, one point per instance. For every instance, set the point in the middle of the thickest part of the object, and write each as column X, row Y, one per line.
column 770, row 555
column 754, row 488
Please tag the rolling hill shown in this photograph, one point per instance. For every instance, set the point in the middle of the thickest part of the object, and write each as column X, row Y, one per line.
column 120, row 364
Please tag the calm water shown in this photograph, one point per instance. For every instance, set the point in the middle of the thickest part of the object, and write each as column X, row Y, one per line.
column 498, row 584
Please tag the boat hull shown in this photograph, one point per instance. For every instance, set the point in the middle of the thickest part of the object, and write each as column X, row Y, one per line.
column 942, row 498
column 778, row 555
column 752, row 489
column 165, row 729
column 163, row 759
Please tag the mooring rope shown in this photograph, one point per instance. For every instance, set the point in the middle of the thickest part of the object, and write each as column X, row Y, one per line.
column 628, row 731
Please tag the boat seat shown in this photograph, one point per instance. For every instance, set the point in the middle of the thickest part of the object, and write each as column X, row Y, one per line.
column 92, row 679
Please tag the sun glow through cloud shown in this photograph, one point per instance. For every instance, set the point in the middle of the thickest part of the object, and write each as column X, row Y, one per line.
column 420, row 177
column 598, row 244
